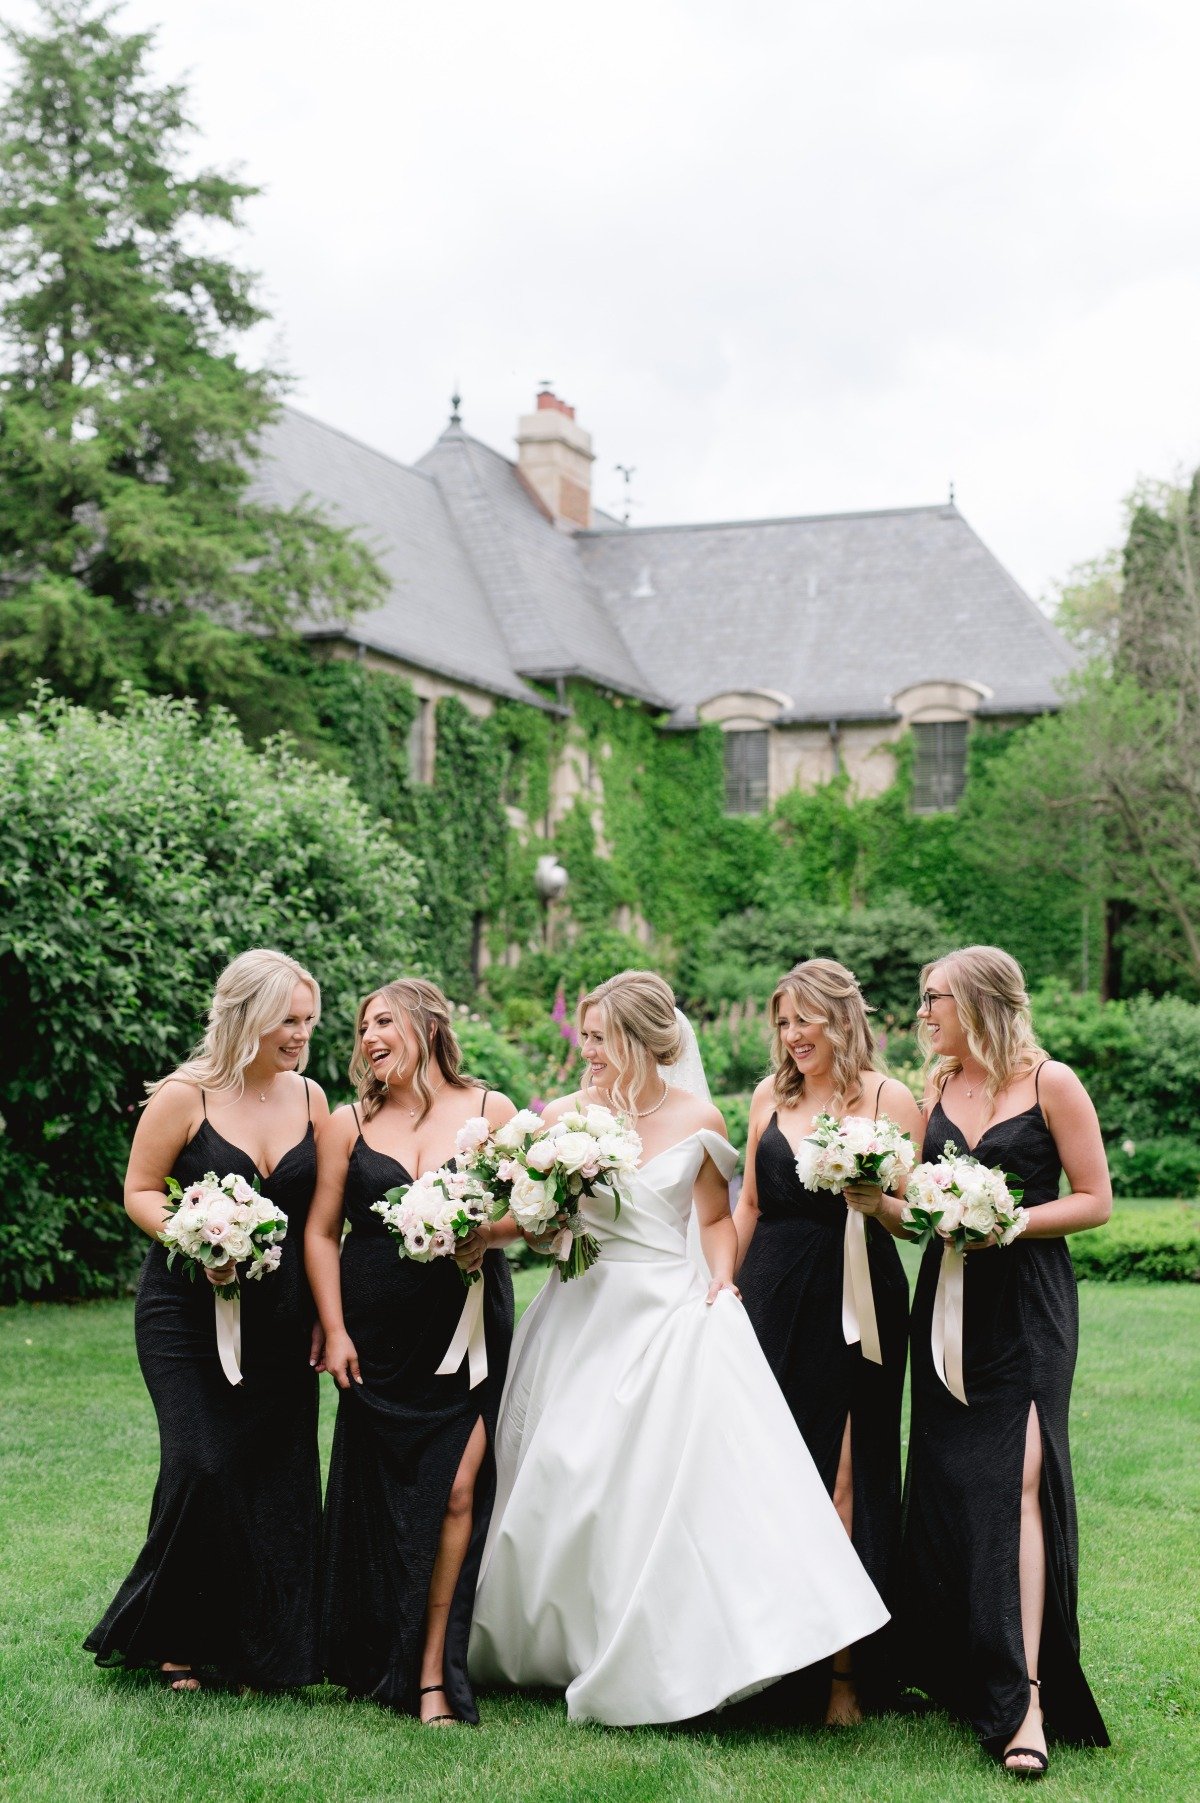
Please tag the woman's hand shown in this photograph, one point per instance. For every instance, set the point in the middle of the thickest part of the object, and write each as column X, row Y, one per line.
column 341, row 1360
column 865, row 1199
column 220, row 1275
column 717, row 1285
column 981, row 1245
column 316, row 1348
column 544, row 1243
column 468, row 1254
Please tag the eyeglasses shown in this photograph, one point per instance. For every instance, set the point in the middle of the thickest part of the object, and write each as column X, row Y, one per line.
column 934, row 995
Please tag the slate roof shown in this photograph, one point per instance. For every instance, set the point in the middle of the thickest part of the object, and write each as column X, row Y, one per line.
column 437, row 616
column 837, row 612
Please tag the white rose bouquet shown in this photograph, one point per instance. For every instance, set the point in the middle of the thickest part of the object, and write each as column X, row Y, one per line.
column 430, row 1216
column 854, row 1150
column 222, row 1218
column 963, row 1201
column 556, row 1168
column 494, row 1158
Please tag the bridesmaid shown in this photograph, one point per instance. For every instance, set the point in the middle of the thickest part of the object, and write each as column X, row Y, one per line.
column 791, row 1244
column 990, row 1546
column 413, row 1474
column 225, row 1587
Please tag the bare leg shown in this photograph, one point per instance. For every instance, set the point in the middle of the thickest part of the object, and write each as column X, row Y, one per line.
column 844, row 1708
column 452, row 1550
column 1033, row 1588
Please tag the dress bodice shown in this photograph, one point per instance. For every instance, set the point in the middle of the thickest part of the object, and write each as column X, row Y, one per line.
column 780, row 1193
column 656, row 1202
column 1021, row 1145
column 369, row 1175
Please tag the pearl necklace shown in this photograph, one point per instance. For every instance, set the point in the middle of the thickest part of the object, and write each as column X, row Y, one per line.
column 641, row 1114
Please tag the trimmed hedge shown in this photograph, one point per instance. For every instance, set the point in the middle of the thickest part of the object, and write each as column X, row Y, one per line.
column 1156, row 1241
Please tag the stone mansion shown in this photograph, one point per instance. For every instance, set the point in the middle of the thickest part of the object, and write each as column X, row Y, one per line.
column 814, row 642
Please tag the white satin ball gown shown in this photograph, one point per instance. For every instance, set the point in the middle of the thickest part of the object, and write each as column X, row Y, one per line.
column 661, row 1542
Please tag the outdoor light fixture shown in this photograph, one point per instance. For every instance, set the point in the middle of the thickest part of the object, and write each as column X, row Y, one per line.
column 550, row 879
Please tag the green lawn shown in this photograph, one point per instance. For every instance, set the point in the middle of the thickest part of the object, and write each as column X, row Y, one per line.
column 78, row 1445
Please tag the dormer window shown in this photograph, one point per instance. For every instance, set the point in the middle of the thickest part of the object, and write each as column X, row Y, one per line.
column 939, row 764
column 747, row 786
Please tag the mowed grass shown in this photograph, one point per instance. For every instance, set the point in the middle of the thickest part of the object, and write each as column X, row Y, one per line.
column 78, row 1445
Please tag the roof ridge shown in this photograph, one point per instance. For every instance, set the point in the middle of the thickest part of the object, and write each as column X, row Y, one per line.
column 784, row 519
column 359, row 444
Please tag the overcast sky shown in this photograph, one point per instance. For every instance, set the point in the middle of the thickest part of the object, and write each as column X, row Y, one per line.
column 782, row 257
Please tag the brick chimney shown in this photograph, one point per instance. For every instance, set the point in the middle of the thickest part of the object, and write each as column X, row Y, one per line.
column 555, row 458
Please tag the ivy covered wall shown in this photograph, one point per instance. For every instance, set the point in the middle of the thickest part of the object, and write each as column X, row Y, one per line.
column 636, row 814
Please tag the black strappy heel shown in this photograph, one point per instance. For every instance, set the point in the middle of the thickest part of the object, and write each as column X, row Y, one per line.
column 427, row 1690
column 1027, row 1771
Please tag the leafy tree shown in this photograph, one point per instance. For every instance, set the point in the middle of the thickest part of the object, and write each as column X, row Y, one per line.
column 132, row 542
column 138, row 854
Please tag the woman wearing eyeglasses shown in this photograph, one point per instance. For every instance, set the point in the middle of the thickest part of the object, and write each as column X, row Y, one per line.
column 990, row 1554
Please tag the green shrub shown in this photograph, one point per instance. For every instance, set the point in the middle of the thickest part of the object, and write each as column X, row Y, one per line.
column 138, row 854
column 572, row 969
column 884, row 946
column 736, row 1110
column 1160, row 1242
column 736, row 1049
column 493, row 1059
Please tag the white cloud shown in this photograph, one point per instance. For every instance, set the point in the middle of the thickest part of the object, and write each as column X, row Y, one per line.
column 782, row 257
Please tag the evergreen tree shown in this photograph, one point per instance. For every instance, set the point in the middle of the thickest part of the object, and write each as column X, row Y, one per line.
column 132, row 544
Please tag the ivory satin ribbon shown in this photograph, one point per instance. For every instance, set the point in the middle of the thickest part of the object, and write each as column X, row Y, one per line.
column 470, row 1341
column 946, row 1336
column 858, row 1301
column 229, row 1337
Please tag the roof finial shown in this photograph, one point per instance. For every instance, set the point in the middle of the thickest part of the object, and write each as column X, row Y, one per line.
column 952, row 492
column 455, row 404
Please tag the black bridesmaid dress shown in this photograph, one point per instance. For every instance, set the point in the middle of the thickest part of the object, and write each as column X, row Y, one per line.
column 961, row 1619
column 400, row 1438
column 791, row 1284
column 228, row 1578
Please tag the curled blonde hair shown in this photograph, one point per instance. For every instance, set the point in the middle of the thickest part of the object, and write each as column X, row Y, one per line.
column 824, row 991
column 988, row 987
column 641, row 1030
column 429, row 1015
column 253, row 996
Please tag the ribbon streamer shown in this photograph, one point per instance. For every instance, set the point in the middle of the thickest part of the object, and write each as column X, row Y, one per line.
column 858, row 1299
column 946, row 1337
column 229, row 1337
column 470, row 1341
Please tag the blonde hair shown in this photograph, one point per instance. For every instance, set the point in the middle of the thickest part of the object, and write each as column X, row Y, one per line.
column 641, row 1030
column 988, row 987
column 253, row 996
column 428, row 1014
column 824, row 991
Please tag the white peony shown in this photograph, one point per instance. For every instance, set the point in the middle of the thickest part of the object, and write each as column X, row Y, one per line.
column 530, row 1203
column 542, row 1155
column 808, row 1162
column 952, row 1213
column 471, row 1135
column 576, row 1151
column 512, row 1136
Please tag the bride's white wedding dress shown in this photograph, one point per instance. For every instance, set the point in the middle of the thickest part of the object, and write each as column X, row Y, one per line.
column 661, row 1541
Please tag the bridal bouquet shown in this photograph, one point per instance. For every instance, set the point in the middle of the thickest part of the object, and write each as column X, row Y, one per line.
column 221, row 1218
column 541, row 1175
column 963, row 1201
column 218, row 1219
column 430, row 1216
column 854, row 1150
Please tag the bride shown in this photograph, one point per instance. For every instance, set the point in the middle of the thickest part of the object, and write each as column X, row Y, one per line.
column 662, row 1542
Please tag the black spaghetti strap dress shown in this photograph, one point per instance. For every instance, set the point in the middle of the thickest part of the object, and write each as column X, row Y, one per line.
column 398, row 1443
column 961, row 1615
column 791, row 1284
column 227, row 1580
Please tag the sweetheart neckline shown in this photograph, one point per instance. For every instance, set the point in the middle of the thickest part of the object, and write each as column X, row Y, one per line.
column 1034, row 1108
column 234, row 1147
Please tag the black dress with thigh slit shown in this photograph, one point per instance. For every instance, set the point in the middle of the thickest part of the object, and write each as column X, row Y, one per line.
column 961, row 1619
column 227, row 1580
column 400, row 1438
column 791, row 1283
